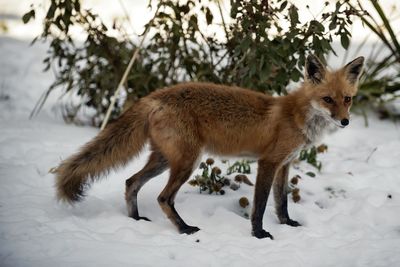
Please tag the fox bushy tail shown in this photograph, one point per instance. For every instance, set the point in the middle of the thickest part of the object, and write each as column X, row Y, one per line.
column 111, row 148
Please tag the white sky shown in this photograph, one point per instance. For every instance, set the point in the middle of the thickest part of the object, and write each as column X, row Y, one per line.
column 139, row 14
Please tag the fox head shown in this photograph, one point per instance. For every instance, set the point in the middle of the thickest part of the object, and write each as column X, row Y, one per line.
column 331, row 93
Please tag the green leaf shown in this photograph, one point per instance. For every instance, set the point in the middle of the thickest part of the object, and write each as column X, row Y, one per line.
column 28, row 16
column 345, row 41
column 209, row 16
column 311, row 174
column 77, row 6
column 318, row 27
column 333, row 23
column 283, row 6
column 51, row 11
column 296, row 74
column 294, row 16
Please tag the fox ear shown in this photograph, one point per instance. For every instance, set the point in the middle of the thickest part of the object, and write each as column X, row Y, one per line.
column 353, row 70
column 315, row 70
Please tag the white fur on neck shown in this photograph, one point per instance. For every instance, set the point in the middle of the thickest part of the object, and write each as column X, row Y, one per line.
column 318, row 121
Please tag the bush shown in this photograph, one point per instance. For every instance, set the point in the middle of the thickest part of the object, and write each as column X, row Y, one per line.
column 256, row 51
column 380, row 83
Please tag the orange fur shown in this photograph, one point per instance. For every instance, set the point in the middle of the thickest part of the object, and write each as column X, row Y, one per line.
column 182, row 120
column 111, row 148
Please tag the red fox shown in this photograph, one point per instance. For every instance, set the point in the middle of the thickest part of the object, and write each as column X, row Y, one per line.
column 181, row 121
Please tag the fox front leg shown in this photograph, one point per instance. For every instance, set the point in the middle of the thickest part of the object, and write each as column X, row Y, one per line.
column 281, row 196
column 265, row 177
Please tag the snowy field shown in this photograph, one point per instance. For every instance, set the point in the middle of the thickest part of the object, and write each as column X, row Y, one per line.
column 350, row 211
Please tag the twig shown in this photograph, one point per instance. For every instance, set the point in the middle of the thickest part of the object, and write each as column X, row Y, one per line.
column 126, row 14
column 127, row 70
column 364, row 114
column 370, row 154
column 223, row 20
column 39, row 104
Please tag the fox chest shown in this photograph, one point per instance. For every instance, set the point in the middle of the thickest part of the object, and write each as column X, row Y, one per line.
column 294, row 154
column 315, row 128
column 313, row 132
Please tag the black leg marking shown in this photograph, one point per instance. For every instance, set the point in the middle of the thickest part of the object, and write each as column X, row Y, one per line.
column 156, row 165
column 281, row 197
column 265, row 177
column 179, row 175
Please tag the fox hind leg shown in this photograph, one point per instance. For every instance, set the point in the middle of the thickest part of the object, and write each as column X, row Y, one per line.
column 175, row 132
column 156, row 165
column 180, row 173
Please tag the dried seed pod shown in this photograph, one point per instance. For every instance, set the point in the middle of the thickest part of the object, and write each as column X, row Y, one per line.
column 295, row 161
column 222, row 192
column 239, row 178
column 203, row 165
column 296, row 198
column 246, row 180
column 244, row 202
column 295, row 179
column 322, row 148
column 226, row 181
column 193, row 182
column 295, row 191
column 216, row 170
column 210, row 161
column 216, row 187
column 234, row 186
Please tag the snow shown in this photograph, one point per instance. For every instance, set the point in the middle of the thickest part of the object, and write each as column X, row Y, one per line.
column 349, row 211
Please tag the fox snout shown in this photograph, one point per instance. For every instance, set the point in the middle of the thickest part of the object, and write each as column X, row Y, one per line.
column 344, row 122
column 340, row 122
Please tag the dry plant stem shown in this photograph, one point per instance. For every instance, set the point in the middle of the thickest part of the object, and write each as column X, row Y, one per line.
column 127, row 70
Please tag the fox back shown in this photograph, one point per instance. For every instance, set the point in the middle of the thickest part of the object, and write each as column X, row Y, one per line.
column 220, row 119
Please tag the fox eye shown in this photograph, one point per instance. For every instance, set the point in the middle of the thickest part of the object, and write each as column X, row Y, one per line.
column 328, row 99
column 347, row 99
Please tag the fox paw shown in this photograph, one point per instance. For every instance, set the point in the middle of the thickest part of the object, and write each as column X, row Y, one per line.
column 189, row 230
column 262, row 234
column 139, row 218
column 292, row 223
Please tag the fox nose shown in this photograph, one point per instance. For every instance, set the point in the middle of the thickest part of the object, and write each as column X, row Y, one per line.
column 344, row 122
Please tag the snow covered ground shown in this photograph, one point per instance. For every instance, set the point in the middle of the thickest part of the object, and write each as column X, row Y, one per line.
column 349, row 211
